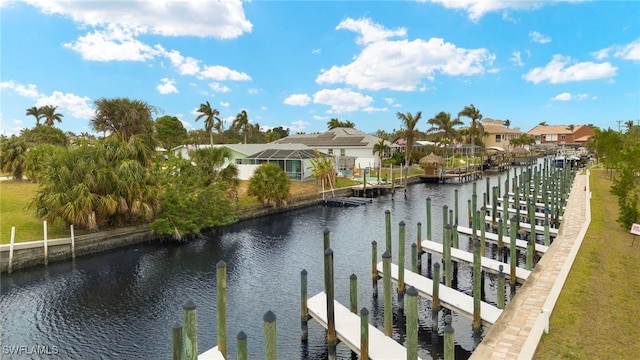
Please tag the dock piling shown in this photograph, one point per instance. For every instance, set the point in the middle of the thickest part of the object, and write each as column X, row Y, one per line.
column 353, row 293
column 386, row 289
column 500, row 287
column 304, row 309
column 176, row 342
column 449, row 340
column 221, row 309
column 190, row 342
column 364, row 333
column 332, row 339
column 412, row 323
column 270, row 338
column 241, row 344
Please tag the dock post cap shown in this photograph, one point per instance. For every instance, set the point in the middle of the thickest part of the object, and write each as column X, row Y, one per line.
column 269, row 317
column 189, row 305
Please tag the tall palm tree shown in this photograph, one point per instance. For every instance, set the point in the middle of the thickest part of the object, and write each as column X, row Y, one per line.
column 542, row 123
column 50, row 115
column 475, row 115
column 628, row 124
column 409, row 122
column 13, row 154
column 241, row 124
column 35, row 112
column 211, row 119
column 335, row 123
column 443, row 124
column 507, row 123
column 123, row 117
column 381, row 148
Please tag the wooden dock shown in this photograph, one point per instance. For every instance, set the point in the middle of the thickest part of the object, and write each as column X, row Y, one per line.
column 211, row 354
column 346, row 201
column 466, row 257
column 454, row 300
column 348, row 330
column 506, row 240
column 553, row 232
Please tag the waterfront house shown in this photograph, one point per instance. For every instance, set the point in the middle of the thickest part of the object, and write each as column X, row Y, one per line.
column 562, row 135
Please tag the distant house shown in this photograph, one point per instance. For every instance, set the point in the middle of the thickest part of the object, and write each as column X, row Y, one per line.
column 294, row 159
column 498, row 136
column 562, row 135
column 350, row 147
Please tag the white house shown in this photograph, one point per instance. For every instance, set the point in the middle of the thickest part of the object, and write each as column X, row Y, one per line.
column 350, row 147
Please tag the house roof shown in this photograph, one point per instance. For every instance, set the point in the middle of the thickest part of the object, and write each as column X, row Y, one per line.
column 246, row 149
column 500, row 129
column 282, row 154
column 338, row 137
column 552, row 129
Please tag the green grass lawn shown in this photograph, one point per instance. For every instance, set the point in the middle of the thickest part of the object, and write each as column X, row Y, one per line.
column 597, row 313
column 14, row 198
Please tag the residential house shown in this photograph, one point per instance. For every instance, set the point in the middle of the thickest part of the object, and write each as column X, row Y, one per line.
column 559, row 135
column 497, row 135
column 294, row 159
column 350, row 147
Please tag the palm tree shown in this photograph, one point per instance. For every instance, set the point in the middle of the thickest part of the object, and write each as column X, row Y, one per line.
column 123, row 117
column 241, row 124
column 50, row 115
column 475, row 115
column 335, row 123
column 628, row 124
column 381, row 148
column 323, row 169
column 443, row 124
column 409, row 123
column 13, row 153
column 542, row 123
column 35, row 112
column 270, row 184
column 211, row 119
column 507, row 123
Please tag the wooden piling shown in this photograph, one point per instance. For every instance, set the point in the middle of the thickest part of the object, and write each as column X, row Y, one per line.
column 531, row 244
column 512, row 252
column 386, row 289
column 46, row 247
column 483, row 231
column 73, row 242
column 353, row 293
column 241, row 344
column 387, row 226
column 547, row 236
column 332, row 339
column 477, row 273
column 270, row 337
column 190, row 342
column 412, row 323
column 221, row 309
column 364, row 333
column 374, row 267
column 176, row 342
column 326, row 239
column 446, row 252
column 469, row 212
column 500, row 287
column 429, row 219
column 414, row 258
column 401, row 287
column 449, row 339
column 435, row 297
column 494, row 207
column 500, row 237
column 12, row 241
column 455, row 204
column 304, row 309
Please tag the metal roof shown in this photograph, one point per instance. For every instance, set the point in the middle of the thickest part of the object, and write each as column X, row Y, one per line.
column 278, row 154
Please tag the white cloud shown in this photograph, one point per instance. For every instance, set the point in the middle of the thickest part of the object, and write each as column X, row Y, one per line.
column 224, row 104
column 370, row 109
column 297, row 99
column 316, row 51
column 478, row 8
column 516, row 58
column 30, row 90
column 389, row 101
column 342, row 100
column 113, row 44
column 539, row 38
column 219, row 19
column 298, row 125
column 369, row 32
column 565, row 96
column 167, row 86
column 630, row 51
column 557, row 71
column 222, row 73
column 601, row 54
column 403, row 64
column 217, row 87
column 185, row 65
column 78, row 106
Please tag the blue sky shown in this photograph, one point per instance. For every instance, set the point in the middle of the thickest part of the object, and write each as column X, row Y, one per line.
column 299, row 64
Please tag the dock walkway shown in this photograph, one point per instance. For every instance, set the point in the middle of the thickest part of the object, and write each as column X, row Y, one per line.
column 211, row 354
column 452, row 299
column 348, row 330
column 489, row 265
column 506, row 240
column 520, row 327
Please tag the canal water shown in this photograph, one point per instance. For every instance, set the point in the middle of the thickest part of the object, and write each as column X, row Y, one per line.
column 121, row 304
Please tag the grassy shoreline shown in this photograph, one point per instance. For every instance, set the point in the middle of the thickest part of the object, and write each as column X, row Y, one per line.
column 597, row 312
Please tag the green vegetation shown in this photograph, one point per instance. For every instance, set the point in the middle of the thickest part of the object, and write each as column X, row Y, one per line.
column 597, row 312
column 270, row 185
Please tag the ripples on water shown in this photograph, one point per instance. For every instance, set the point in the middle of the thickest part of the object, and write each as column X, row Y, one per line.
column 121, row 304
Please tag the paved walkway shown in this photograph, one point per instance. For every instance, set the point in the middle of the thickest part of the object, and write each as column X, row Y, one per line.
column 518, row 330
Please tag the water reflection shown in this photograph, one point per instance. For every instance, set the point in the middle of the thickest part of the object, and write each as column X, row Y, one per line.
column 122, row 303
